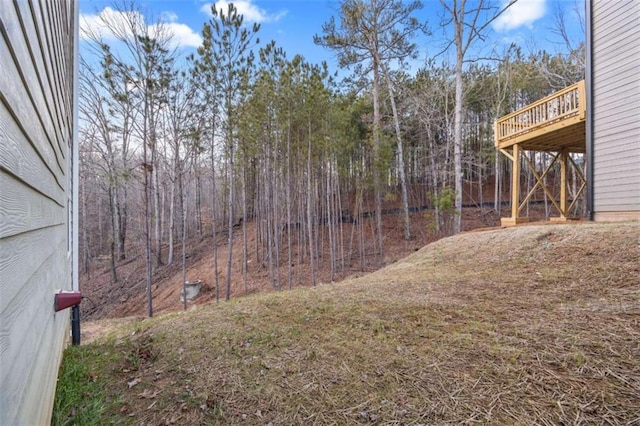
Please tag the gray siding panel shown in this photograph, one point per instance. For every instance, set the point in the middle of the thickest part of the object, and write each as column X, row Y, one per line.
column 24, row 209
column 22, row 111
column 23, row 84
column 616, row 105
column 619, row 151
column 36, row 50
column 22, row 312
column 23, row 160
column 36, row 141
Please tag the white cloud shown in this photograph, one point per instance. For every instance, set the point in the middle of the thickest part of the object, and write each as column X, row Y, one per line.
column 111, row 25
column 521, row 13
column 247, row 9
column 108, row 24
column 183, row 35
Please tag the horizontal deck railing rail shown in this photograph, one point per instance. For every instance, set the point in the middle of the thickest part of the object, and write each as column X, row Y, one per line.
column 566, row 103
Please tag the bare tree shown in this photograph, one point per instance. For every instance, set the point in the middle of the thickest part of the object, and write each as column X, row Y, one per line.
column 228, row 43
column 469, row 24
column 370, row 36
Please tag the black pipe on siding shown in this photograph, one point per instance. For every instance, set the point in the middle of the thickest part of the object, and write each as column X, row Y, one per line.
column 75, row 325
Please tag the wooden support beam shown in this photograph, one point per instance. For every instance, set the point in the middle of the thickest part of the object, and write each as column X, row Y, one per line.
column 515, row 188
column 563, row 184
column 540, row 183
column 515, row 182
column 506, row 154
column 583, row 185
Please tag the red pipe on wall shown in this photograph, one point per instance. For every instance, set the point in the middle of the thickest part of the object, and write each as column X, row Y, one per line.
column 66, row 299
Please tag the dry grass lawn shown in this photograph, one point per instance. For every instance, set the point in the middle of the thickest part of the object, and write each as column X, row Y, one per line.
column 526, row 325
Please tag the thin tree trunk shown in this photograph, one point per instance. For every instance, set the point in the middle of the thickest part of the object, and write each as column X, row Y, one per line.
column 434, row 179
column 376, row 162
column 244, row 232
column 214, row 230
column 196, row 163
column 312, row 258
column 113, row 239
column 172, row 220
column 147, row 226
column 341, row 225
column 480, row 194
column 403, row 178
column 158, row 217
column 183, row 213
column 457, row 140
column 85, row 229
column 288, row 194
column 230, row 219
column 332, row 259
column 269, row 190
column 121, row 213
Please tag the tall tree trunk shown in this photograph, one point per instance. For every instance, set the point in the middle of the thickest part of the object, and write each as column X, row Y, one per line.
column 312, row 258
column 214, row 228
column 147, row 230
column 156, row 213
column 113, row 239
column 376, row 161
column 434, row 180
column 457, row 131
column 288, row 194
column 245, row 242
column 172, row 221
column 196, row 165
column 401, row 167
column 121, row 212
column 85, row 228
column 183, row 218
column 330, row 214
column 230, row 172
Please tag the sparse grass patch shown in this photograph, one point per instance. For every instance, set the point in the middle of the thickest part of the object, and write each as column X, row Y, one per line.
column 82, row 392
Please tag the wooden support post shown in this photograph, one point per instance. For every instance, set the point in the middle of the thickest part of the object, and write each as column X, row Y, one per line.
column 563, row 185
column 515, row 182
column 515, row 190
column 563, row 179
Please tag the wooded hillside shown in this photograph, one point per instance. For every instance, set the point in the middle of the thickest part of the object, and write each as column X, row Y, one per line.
column 177, row 146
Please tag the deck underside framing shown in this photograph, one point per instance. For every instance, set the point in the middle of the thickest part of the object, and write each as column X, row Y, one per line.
column 554, row 125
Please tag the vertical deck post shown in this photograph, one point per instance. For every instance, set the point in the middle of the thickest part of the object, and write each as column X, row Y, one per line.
column 515, row 183
column 515, row 188
column 563, row 184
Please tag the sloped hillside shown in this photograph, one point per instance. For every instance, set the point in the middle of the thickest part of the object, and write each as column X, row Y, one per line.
column 534, row 324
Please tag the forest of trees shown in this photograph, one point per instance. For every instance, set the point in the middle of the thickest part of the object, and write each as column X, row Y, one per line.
column 176, row 146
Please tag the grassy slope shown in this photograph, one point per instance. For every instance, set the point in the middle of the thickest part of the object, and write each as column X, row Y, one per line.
column 537, row 324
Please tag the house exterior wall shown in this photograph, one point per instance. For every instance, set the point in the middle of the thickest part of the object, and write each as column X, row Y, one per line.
column 36, row 156
column 616, row 109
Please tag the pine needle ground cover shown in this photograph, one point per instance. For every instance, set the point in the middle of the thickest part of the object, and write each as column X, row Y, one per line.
column 527, row 325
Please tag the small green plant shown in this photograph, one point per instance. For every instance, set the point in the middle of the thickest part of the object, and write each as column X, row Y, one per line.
column 444, row 202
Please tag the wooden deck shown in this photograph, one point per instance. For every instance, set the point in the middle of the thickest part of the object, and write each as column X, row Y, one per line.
column 551, row 124
column 555, row 124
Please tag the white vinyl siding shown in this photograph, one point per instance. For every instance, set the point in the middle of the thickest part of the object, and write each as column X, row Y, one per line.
column 36, row 119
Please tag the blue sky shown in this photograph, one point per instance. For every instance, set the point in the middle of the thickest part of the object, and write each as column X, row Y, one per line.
column 293, row 23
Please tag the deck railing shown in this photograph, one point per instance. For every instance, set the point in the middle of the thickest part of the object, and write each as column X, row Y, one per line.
column 566, row 103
